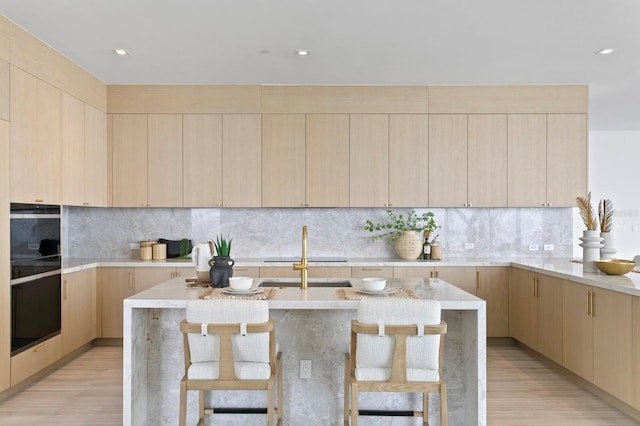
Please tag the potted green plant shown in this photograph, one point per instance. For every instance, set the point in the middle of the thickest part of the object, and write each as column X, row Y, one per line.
column 221, row 264
column 404, row 231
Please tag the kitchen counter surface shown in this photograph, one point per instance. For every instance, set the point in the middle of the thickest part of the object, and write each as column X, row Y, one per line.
column 311, row 324
column 564, row 268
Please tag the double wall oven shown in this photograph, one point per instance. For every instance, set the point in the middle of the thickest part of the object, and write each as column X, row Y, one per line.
column 35, row 274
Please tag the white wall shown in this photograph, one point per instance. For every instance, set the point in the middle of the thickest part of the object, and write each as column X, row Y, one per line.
column 614, row 173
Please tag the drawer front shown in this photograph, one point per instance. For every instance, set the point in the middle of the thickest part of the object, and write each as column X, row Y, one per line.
column 372, row 272
column 31, row 361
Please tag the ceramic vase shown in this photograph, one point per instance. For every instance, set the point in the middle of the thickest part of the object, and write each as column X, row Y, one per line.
column 591, row 244
column 608, row 250
column 221, row 270
column 409, row 245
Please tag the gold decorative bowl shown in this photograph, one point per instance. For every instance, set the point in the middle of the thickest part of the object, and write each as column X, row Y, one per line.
column 615, row 266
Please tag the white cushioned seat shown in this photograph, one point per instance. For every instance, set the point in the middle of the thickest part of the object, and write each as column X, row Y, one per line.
column 375, row 353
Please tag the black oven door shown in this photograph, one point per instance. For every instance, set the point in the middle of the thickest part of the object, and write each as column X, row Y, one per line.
column 35, row 311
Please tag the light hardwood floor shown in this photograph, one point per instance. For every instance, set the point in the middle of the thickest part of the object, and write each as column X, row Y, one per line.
column 521, row 391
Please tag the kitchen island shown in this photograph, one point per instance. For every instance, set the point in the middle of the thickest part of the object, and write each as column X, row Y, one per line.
column 311, row 324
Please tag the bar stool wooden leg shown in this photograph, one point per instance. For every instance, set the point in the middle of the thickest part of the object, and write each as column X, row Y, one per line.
column 270, row 400
column 354, row 404
column 443, row 404
column 280, row 400
column 183, row 404
column 201, row 406
column 425, row 409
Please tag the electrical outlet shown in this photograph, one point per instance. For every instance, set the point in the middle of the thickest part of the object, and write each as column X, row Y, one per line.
column 548, row 247
column 533, row 247
column 33, row 246
column 305, row 368
column 134, row 246
column 469, row 246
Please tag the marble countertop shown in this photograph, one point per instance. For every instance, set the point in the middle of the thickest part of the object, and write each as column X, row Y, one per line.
column 175, row 294
column 564, row 268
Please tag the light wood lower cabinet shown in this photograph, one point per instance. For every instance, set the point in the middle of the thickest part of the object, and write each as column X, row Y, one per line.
column 492, row 285
column 78, row 309
column 115, row 285
column 29, row 362
column 598, row 331
column 535, row 312
column 635, row 372
column 314, row 272
column 372, row 271
column 246, row 271
column 489, row 283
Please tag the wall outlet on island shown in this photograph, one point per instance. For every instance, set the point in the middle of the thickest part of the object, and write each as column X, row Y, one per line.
column 469, row 246
column 548, row 247
column 533, row 247
column 305, row 368
column 134, row 246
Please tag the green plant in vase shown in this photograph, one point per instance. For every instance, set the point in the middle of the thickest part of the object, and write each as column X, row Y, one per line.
column 223, row 246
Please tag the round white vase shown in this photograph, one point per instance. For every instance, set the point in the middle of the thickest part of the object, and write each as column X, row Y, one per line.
column 608, row 250
column 591, row 245
column 409, row 245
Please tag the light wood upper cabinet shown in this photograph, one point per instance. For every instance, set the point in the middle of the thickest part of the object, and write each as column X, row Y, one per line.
column 242, row 160
column 164, row 166
column 129, row 153
column 283, row 160
column 36, row 140
column 5, row 102
column 202, row 160
column 73, row 150
column 78, row 309
column 327, row 160
column 487, row 160
column 448, row 160
column 95, row 157
column 527, row 164
column 566, row 158
column 84, row 147
column 369, row 160
column 409, row 160
column 5, row 273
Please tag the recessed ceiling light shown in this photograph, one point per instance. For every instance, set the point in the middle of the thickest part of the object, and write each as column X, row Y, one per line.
column 302, row 52
column 120, row 52
column 606, row 51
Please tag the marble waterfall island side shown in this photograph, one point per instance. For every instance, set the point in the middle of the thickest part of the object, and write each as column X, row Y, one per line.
column 312, row 325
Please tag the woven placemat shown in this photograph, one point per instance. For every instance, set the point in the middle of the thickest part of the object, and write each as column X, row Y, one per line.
column 217, row 293
column 353, row 294
column 195, row 282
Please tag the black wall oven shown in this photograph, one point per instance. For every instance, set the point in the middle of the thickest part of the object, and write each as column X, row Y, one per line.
column 35, row 274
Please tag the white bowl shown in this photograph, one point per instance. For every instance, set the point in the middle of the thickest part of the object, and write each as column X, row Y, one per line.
column 240, row 283
column 374, row 284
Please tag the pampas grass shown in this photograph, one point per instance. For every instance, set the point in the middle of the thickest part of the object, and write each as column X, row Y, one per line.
column 605, row 214
column 586, row 212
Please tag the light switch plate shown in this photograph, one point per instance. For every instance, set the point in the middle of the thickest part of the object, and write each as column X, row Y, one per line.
column 469, row 246
column 548, row 247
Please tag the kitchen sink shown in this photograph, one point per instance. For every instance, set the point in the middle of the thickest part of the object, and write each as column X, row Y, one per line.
column 346, row 283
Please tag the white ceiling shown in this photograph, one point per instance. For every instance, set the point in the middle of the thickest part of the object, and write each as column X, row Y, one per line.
column 353, row 42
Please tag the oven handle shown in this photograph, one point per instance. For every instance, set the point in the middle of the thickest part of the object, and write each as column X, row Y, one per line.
column 28, row 278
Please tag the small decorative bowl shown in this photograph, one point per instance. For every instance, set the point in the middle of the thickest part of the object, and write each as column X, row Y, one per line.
column 240, row 283
column 615, row 266
column 374, row 284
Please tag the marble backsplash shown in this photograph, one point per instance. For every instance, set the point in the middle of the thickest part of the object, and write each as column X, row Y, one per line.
column 502, row 232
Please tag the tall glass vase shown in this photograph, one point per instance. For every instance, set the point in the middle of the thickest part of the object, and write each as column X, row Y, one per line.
column 591, row 244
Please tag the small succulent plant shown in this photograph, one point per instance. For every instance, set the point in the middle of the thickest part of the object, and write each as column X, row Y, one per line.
column 223, row 246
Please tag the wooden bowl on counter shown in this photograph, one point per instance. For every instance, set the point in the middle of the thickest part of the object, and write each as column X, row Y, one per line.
column 615, row 266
